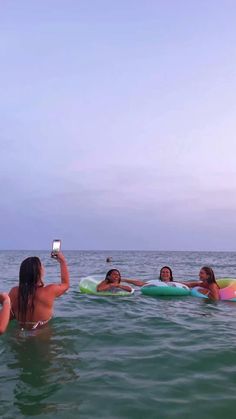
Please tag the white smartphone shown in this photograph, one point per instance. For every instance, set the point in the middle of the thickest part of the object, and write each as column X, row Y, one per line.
column 56, row 247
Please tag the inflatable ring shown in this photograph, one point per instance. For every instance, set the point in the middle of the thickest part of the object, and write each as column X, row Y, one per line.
column 165, row 289
column 88, row 285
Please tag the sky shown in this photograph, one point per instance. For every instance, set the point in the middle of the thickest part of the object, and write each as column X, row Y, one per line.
column 117, row 124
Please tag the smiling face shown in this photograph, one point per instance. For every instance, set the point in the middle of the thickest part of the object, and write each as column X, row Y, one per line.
column 114, row 277
column 165, row 275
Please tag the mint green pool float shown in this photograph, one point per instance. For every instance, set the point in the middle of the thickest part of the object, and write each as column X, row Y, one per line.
column 165, row 289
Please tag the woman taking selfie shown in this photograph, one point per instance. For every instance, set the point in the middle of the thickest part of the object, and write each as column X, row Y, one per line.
column 32, row 301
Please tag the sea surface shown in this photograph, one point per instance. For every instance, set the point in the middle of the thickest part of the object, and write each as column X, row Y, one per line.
column 122, row 357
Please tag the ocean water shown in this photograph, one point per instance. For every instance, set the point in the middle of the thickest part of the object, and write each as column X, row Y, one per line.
column 128, row 357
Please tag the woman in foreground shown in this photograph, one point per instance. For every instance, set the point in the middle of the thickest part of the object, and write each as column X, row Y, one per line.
column 32, row 301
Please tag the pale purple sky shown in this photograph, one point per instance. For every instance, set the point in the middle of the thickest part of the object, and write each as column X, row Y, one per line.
column 118, row 124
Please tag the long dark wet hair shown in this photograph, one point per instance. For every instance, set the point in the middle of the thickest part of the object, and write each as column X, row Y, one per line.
column 29, row 276
column 171, row 275
column 211, row 276
column 109, row 274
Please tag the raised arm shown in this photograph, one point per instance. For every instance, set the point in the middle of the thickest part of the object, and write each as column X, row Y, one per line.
column 5, row 312
column 59, row 289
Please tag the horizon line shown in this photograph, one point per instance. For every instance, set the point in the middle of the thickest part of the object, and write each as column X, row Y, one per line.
column 119, row 250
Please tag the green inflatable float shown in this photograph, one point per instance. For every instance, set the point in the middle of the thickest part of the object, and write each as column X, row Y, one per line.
column 88, row 285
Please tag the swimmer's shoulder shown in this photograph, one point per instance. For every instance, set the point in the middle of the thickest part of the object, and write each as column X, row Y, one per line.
column 214, row 292
column 13, row 292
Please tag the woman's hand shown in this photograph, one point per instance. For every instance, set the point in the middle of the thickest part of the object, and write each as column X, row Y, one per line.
column 58, row 256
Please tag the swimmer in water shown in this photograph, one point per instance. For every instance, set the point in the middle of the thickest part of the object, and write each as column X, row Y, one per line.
column 32, row 301
column 208, row 282
column 113, row 280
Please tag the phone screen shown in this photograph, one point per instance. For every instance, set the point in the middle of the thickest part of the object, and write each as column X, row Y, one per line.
column 56, row 246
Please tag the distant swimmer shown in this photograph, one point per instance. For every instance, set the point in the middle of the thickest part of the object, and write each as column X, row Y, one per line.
column 32, row 301
column 109, row 260
column 4, row 312
column 113, row 280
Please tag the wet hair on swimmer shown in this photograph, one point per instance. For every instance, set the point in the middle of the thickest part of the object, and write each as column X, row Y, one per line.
column 171, row 275
column 211, row 276
column 29, row 276
column 109, row 273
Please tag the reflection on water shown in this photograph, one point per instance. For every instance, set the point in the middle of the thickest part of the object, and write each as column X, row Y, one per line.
column 41, row 367
column 33, row 360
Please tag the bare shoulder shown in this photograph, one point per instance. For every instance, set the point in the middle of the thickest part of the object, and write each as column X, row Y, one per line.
column 13, row 294
column 214, row 290
column 55, row 290
column 214, row 287
column 48, row 288
column 13, row 291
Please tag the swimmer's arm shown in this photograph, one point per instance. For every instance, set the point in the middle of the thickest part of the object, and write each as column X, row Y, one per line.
column 136, row 282
column 103, row 286
column 59, row 289
column 192, row 284
column 5, row 312
column 124, row 287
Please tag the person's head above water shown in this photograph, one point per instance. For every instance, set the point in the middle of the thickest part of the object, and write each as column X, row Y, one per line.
column 30, row 278
column 113, row 276
column 166, row 274
column 206, row 274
